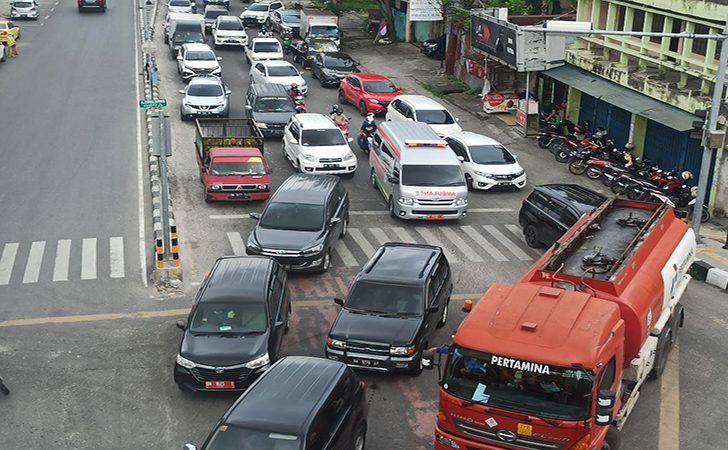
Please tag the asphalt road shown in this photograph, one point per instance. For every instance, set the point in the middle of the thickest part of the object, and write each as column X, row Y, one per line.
column 105, row 381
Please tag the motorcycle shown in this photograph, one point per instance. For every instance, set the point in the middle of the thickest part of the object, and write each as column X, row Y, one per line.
column 434, row 48
column 299, row 104
column 364, row 140
column 344, row 127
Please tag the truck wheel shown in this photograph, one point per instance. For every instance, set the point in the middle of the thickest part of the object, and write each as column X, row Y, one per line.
column 664, row 344
column 612, row 441
column 531, row 235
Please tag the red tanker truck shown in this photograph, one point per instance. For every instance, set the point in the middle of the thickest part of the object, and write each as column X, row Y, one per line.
column 557, row 359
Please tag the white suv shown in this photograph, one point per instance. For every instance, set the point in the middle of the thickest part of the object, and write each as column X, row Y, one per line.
column 198, row 60
column 423, row 109
column 314, row 144
column 229, row 30
column 258, row 12
column 261, row 49
column 486, row 162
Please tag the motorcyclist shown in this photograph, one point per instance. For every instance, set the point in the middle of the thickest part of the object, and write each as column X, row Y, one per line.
column 337, row 114
column 294, row 92
column 286, row 36
column 263, row 32
column 367, row 130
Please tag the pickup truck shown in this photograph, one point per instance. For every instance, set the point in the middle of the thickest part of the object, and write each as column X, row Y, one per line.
column 319, row 24
column 230, row 160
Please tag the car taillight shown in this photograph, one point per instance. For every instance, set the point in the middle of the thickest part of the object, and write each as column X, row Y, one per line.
column 363, row 386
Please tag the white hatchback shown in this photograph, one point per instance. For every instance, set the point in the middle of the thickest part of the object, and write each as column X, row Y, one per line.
column 487, row 164
column 278, row 72
column 314, row 144
column 24, row 9
column 198, row 60
column 419, row 108
column 262, row 49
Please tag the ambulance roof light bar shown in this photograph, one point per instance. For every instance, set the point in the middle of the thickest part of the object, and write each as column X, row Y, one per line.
column 422, row 143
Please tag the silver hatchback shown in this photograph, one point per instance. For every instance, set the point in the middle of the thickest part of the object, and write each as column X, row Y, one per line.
column 205, row 97
column 24, row 9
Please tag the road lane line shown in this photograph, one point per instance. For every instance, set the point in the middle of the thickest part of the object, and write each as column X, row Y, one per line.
column 116, row 257
column 379, row 235
column 63, row 258
column 35, row 260
column 228, row 216
column 236, row 242
column 430, row 238
column 483, row 242
column 362, row 242
column 140, row 159
column 7, row 261
column 88, row 259
column 46, row 17
column 52, row 9
column 462, row 245
column 510, row 245
column 669, row 438
column 363, row 213
column 345, row 254
column 403, row 235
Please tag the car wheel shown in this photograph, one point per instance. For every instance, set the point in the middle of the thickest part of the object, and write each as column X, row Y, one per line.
column 612, row 441
column 531, row 235
column 469, row 181
column 373, row 179
column 417, row 370
column 342, row 97
column 445, row 313
column 326, row 262
column 363, row 108
column 345, row 228
column 208, row 199
column 321, row 82
column 361, row 438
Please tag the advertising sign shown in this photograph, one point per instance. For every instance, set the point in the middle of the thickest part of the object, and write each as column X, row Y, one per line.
column 425, row 11
column 496, row 38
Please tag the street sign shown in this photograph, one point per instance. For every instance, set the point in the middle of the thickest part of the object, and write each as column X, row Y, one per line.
column 156, row 103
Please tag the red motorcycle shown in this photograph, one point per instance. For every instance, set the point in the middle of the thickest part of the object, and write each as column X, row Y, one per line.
column 344, row 127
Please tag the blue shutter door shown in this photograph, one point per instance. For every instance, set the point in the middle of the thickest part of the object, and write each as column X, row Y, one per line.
column 619, row 124
column 587, row 108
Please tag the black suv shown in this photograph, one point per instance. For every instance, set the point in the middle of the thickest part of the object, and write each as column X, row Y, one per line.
column 552, row 209
column 236, row 325
column 331, row 68
column 394, row 305
column 302, row 222
column 301, row 402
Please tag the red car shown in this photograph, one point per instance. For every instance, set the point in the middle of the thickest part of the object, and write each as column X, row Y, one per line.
column 369, row 92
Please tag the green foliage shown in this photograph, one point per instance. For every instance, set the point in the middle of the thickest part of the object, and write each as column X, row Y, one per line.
column 358, row 5
column 433, row 90
column 515, row 7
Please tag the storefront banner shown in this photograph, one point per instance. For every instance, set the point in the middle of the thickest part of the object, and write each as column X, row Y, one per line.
column 425, row 11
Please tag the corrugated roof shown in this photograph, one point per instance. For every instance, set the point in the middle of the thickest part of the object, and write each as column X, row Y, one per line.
column 623, row 97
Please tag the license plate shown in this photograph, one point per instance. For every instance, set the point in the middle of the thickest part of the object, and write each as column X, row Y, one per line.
column 435, row 217
column 240, row 195
column 504, row 183
column 204, row 113
column 331, row 166
column 365, row 362
column 219, row 385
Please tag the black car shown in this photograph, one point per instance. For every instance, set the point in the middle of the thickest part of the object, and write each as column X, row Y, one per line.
column 401, row 295
column 236, row 325
column 552, row 209
column 212, row 12
column 98, row 4
column 300, row 403
column 270, row 106
column 302, row 222
column 304, row 51
column 331, row 68
column 281, row 20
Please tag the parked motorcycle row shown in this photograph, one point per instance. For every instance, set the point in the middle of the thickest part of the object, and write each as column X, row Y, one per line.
column 591, row 152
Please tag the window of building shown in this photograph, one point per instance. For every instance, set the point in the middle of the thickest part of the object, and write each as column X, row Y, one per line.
column 658, row 22
column 638, row 24
column 621, row 11
column 700, row 45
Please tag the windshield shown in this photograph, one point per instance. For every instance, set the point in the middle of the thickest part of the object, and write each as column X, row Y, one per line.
column 394, row 299
column 293, row 216
column 253, row 166
column 325, row 30
column 228, row 437
column 325, row 46
column 232, row 25
column 258, row 7
column 322, row 138
column 214, row 13
column 199, row 56
column 517, row 385
column 204, row 90
column 179, row 3
column 491, row 154
column 267, row 47
column 274, row 105
column 290, row 18
column 228, row 318
column 187, row 37
column 282, row 71
column 22, row 4
column 333, row 62
column 379, row 87
column 421, row 175
column 435, row 116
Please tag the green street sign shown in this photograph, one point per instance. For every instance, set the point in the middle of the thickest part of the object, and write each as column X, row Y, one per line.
column 156, row 103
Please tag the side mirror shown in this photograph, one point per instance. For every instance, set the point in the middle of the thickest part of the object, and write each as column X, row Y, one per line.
column 433, row 309
column 399, row 89
column 457, row 120
column 515, row 157
column 249, row 107
column 228, row 92
column 605, row 407
column 339, row 301
column 351, row 139
column 189, row 447
column 461, row 159
column 393, row 180
column 280, row 323
column 219, row 58
column 292, row 141
column 335, row 220
column 300, row 72
column 255, row 216
column 181, row 91
column 180, row 324
column 427, row 359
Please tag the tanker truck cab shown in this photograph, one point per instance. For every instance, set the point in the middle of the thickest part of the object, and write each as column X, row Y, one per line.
column 557, row 360
column 418, row 175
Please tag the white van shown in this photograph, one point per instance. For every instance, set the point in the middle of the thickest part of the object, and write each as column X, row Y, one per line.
column 261, row 49
column 418, row 174
column 419, row 108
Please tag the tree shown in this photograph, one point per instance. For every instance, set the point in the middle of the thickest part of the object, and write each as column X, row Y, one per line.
column 386, row 7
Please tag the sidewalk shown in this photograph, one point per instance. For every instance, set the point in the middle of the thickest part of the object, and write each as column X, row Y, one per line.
column 711, row 263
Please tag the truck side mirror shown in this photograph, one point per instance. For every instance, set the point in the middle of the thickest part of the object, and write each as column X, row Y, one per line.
column 605, row 407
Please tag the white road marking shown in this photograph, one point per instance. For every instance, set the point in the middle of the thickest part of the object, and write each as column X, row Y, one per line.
column 510, row 245
column 430, row 238
column 403, row 235
column 362, row 213
column 88, row 259
column 237, row 243
column 228, row 216
column 461, row 245
column 7, row 261
column 63, row 257
column 116, row 257
column 345, row 254
column 362, row 242
column 379, row 235
column 140, row 159
column 46, row 17
column 35, row 259
column 52, row 9
column 483, row 242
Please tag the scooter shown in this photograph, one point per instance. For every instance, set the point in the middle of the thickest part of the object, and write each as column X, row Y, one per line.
column 344, row 127
column 299, row 104
column 364, row 140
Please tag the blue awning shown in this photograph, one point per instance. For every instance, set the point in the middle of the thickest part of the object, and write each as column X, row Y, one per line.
column 623, row 97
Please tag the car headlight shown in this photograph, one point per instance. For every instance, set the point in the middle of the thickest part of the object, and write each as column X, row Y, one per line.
column 483, row 174
column 258, row 362
column 262, row 187
column 314, row 249
column 309, row 157
column 349, row 156
column 407, row 201
column 186, row 69
column 186, row 102
column 261, row 125
column 215, row 187
column 373, row 101
column 518, row 174
column 403, row 351
column 335, row 343
column 461, row 201
column 218, row 70
column 252, row 243
column 184, row 362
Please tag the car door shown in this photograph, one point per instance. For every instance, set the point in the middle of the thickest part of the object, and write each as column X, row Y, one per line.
column 277, row 313
column 355, row 90
column 393, row 110
column 293, row 138
column 258, row 73
column 330, row 427
column 387, row 158
column 335, row 211
column 552, row 226
column 181, row 58
column 316, row 64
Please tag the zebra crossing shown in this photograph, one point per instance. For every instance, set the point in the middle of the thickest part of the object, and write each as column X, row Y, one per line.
column 62, row 260
column 462, row 244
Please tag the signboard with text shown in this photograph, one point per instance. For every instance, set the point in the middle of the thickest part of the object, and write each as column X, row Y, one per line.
column 425, row 11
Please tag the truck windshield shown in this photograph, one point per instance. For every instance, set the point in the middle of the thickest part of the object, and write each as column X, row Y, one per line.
column 227, row 436
column 422, row 175
column 517, row 385
column 329, row 31
column 267, row 105
column 394, row 299
column 323, row 47
column 223, row 167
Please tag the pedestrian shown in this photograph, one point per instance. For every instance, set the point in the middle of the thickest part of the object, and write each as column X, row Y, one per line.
column 12, row 46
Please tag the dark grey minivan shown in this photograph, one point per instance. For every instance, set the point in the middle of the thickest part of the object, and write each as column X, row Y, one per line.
column 270, row 106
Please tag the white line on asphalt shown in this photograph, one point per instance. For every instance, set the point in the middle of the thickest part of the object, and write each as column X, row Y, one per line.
column 63, row 257
column 228, row 216
column 403, row 235
column 116, row 256
column 362, row 213
column 345, row 254
column 35, row 259
column 461, row 245
column 362, row 242
column 669, row 428
column 46, row 17
column 487, row 210
column 88, row 259
column 7, row 261
column 510, row 245
column 432, row 240
column 52, row 9
column 236, row 242
column 140, row 158
column 483, row 242
column 379, row 235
